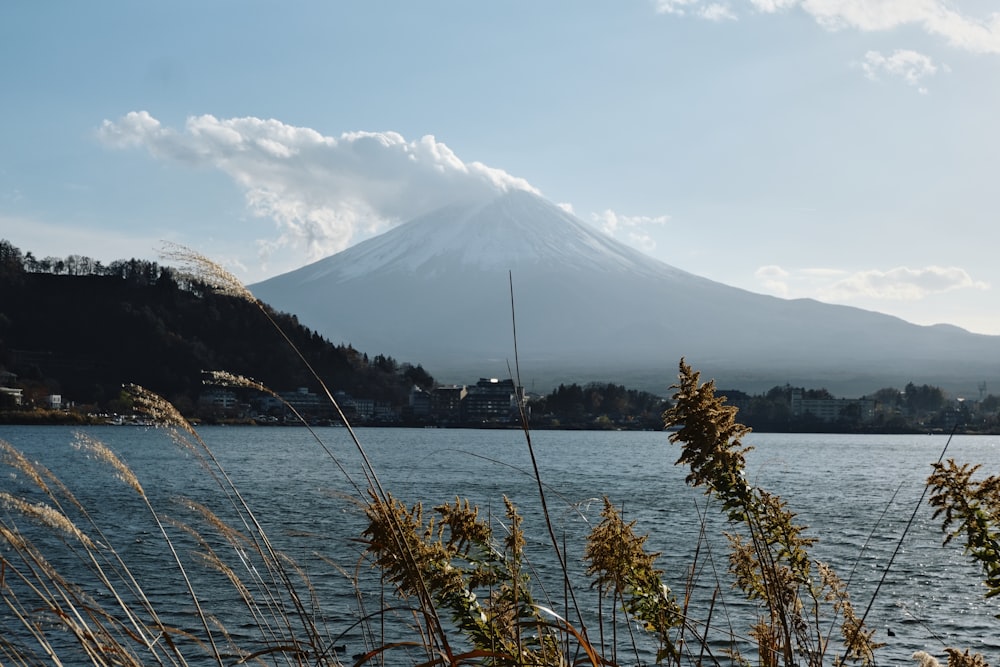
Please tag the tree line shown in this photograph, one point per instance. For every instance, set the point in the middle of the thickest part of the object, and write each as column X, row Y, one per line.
column 913, row 408
column 81, row 329
column 598, row 405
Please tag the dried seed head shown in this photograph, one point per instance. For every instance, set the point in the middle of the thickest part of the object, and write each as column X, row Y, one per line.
column 200, row 268
column 227, row 379
column 19, row 461
column 13, row 538
column 101, row 451
column 47, row 516
column 159, row 409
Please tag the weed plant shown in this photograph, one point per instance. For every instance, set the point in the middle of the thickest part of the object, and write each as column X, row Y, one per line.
column 454, row 586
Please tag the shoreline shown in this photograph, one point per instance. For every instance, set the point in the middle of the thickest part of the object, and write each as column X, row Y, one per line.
column 63, row 418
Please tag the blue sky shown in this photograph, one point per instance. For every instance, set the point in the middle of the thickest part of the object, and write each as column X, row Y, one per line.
column 843, row 150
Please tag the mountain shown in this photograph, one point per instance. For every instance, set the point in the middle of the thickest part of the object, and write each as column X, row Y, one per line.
column 436, row 289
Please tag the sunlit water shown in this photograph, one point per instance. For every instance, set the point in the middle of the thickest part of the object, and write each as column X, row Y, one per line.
column 856, row 493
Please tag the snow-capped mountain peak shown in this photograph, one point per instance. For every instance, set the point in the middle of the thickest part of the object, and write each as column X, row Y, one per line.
column 514, row 229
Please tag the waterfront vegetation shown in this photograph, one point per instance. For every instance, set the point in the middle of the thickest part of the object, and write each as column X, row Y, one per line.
column 458, row 584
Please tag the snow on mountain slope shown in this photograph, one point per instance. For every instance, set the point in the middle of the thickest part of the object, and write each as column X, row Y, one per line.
column 435, row 291
column 512, row 230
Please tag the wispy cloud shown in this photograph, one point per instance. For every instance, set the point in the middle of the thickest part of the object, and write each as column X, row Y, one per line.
column 632, row 229
column 898, row 284
column 717, row 12
column 771, row 6
column 323, row 192
column 902, row 283
column 938, row 18
column 910, row 66
column 678, row 7
column 711, row 11
column 935, row 17
column 773, row 279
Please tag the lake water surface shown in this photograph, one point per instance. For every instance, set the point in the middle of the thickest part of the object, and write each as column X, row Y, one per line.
column 856, row 493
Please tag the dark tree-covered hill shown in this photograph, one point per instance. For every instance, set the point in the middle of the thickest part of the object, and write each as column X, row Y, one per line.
column 80, row 329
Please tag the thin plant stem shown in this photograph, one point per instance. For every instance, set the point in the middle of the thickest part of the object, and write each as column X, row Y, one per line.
column 902, row 537
column 534, row 464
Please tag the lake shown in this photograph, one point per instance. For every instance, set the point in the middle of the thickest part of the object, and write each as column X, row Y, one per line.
column 855, row 492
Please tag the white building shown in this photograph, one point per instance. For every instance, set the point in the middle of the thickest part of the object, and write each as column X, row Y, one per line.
column 833, row 409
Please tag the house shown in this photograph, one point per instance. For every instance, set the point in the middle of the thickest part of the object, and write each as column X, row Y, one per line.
column 11, row 396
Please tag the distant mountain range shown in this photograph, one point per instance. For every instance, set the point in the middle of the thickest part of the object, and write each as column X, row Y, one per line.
column 435, row 289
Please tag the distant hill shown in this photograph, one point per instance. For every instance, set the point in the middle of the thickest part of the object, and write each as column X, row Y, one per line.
column 590, row 308
column 83, row 336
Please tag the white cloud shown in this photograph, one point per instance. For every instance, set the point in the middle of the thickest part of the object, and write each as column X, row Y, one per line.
column 902, row 283
column 939, row 18
column 679, row 7
column 630, row 228
column 711, row 11
column 774, row 279
column 717, row 12
column 771, row 271
column 898, row 284
column 935, row 17
column 908, row 65
column 323, row 192
column 612, row 222
column 771, row 6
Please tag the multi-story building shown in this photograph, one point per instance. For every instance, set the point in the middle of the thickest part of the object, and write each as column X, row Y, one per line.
column 420, row 402
column 446, row 402
column 219, row 401
column 833, row 409
column 493, row 400
column 308, row 404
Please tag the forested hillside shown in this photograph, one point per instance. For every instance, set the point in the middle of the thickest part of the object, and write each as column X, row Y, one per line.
column 80, row 329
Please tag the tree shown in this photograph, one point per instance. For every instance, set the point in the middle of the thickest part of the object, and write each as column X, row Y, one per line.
column 11, row 260
column 990, row 404
column 923, row 400
column 817, row 394
column 888, row 397
column 30, row 262
column 418, row 376
column 384, row 363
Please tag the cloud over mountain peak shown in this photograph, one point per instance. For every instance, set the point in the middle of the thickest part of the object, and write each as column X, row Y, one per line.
column 324, row 193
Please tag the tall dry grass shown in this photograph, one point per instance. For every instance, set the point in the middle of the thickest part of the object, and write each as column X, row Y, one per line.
column 455, row 586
